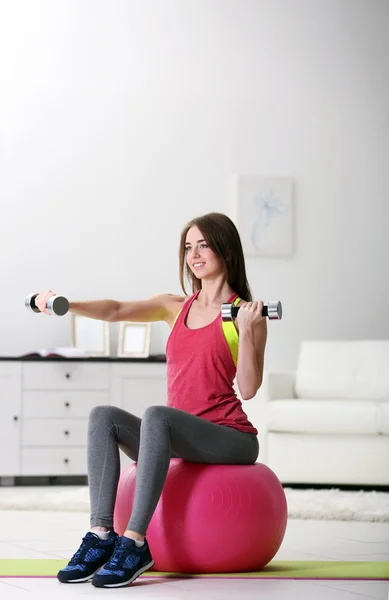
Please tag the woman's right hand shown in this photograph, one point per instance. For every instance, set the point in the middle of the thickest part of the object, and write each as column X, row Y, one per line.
column 42, row 299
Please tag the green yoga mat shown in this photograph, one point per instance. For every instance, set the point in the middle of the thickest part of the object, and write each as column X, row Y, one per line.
column 290, row 569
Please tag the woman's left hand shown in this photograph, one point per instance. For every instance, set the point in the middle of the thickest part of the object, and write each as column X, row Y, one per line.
column 249, row 315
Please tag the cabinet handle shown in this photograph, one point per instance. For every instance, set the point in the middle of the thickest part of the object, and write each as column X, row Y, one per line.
column 16, row 418
column 66, row 432
column 66, row 460
column 67, row 375
column 67, row 404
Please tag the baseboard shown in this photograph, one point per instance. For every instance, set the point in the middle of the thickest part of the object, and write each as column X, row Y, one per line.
column 338, row 486
column 50, row 480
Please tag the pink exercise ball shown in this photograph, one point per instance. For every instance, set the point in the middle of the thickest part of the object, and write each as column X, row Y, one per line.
column 211, row 518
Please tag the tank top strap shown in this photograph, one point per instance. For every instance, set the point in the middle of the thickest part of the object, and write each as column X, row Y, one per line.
column 187, row 304
column 181, row 316
column 233, row 299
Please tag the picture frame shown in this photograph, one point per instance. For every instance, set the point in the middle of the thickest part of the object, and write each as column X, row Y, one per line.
column 265, row 215
column 90, row 335
column 134, row 340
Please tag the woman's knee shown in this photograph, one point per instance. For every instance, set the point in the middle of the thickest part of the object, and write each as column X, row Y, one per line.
column 101, row 414
column 155, row 413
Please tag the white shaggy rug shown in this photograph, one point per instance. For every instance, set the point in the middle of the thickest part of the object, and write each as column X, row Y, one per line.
column 329, row 504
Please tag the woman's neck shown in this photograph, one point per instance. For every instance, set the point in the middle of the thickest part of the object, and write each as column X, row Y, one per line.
column 214, row 294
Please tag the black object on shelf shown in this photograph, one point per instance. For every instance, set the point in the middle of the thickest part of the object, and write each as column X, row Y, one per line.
column 157, row 358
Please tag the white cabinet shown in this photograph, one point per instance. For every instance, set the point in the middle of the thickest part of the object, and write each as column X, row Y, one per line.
column 57, row 398
column 10, row 418
column 54, row 461
column 53, row 432
column 51, row 404
column 46, row 405
column 137, row 386
column 67, row 376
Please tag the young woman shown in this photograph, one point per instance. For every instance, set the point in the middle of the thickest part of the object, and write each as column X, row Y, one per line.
column 203, row 420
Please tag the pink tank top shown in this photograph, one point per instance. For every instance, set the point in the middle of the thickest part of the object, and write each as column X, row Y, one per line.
column 201, row 371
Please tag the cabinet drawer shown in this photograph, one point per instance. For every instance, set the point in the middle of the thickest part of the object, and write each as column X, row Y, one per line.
column 66, row 376
column 47, row 404
column 54, row 461
column 55, row 432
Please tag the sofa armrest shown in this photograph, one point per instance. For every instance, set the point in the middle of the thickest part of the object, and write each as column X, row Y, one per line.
column 275, row 386
column 278, row 385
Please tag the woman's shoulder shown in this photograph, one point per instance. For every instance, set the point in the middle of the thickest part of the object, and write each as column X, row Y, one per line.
column 176, row 299
column 174, row 304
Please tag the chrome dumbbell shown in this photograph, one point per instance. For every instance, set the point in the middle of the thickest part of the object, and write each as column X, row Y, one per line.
column 56, row 305
column 272, row 309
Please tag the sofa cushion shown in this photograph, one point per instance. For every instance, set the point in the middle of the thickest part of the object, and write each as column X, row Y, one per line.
column 323, row 416
column 343, row 369
column 383, row 417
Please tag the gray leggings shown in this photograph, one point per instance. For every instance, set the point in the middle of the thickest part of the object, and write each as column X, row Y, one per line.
column 161, row 434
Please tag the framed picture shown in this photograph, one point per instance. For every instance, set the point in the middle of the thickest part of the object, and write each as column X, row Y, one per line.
column 134, row 340
column 265, row 215
column 90, row 335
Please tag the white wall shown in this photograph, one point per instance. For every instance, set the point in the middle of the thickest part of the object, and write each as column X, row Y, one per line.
column 122, row 119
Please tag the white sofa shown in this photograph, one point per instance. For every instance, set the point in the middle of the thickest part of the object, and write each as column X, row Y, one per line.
column 328, row 422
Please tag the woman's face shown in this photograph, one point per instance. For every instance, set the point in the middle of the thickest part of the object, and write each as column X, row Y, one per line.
column 202, row 261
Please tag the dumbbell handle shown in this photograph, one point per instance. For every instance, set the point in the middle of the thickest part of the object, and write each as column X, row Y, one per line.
column 272, row 309
column 56, row 305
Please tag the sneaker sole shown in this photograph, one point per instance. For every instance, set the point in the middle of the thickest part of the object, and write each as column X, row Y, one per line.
column 82, row 580
column 123, row 583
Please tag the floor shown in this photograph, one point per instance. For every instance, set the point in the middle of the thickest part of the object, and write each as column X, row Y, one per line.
column 58, row 534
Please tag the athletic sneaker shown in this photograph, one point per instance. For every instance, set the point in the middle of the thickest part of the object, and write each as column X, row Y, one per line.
column 89, row 558
column 126, row 564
